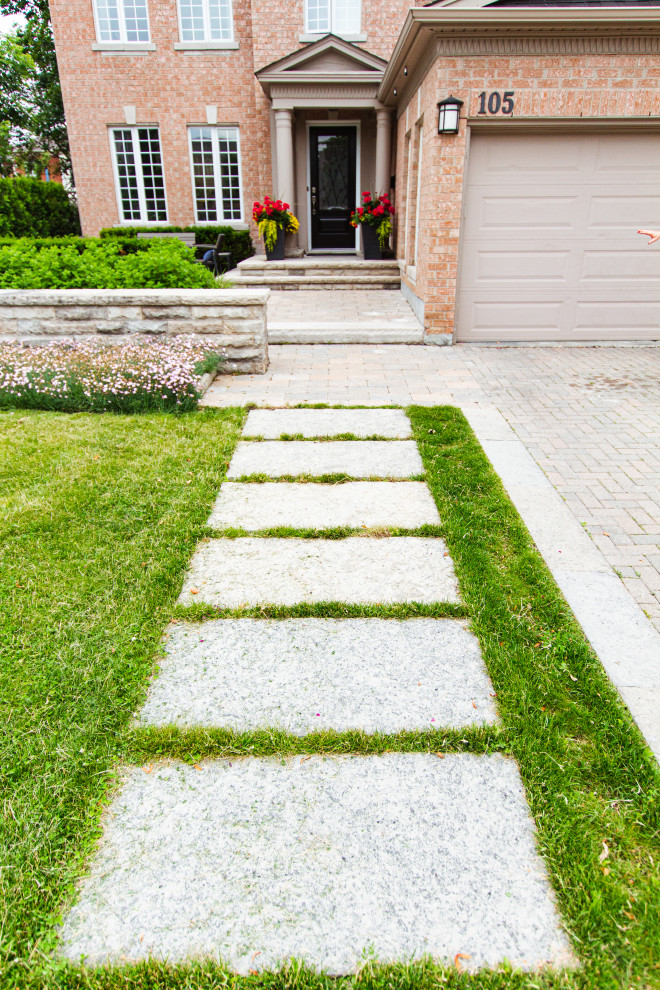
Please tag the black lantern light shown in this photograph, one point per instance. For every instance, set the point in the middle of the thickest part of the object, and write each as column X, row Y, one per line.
column 449, row 111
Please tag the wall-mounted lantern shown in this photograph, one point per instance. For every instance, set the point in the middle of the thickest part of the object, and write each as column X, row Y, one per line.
column 448, row 115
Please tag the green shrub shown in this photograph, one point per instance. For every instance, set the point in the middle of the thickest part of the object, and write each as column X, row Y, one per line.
column 154, row 264
column 29, row 207
column 238, row 242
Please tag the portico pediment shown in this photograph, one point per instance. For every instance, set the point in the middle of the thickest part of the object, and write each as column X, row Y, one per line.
column 330, row 61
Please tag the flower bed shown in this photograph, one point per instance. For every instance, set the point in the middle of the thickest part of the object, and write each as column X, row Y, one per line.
column 88, row 376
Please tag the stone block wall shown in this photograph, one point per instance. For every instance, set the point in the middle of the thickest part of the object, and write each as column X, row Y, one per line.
column 234, row 320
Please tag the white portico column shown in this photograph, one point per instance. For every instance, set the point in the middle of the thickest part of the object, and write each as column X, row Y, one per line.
column 383, row 151
column 284, row 149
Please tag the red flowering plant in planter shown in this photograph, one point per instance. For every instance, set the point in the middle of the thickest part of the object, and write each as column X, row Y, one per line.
column 272, row 216
column 376, row 213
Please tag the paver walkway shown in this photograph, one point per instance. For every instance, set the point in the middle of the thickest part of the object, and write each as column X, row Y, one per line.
column 589, row 416
column 256, row 860
column 307, row 316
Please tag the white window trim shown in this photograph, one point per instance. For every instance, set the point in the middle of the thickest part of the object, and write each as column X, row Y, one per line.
column 134, row 128
column 333, row 30
column 217, row 175
column 208, row 42
column 122, row 43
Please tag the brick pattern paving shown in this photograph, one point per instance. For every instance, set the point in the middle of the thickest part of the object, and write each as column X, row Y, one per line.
column 370, row 306
column 590, row 417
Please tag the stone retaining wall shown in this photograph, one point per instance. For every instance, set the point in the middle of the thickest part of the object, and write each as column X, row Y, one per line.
column 232, row 319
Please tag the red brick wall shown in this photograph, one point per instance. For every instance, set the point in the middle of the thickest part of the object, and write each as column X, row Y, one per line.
column 172, row 88
column 546, row 86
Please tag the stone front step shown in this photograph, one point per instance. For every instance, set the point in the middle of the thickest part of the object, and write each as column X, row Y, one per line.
column 367, row 459
column 359, row 570
column 358, row 332
column 305, row 675
column 320, row 858
column 356, row 504
column 316, row 273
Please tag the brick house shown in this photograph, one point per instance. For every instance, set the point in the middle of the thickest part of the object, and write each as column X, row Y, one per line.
column 521, row 225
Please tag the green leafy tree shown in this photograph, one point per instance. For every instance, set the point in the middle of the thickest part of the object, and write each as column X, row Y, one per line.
column 41, row 111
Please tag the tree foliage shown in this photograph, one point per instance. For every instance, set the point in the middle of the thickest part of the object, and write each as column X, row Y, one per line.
column 39, row 113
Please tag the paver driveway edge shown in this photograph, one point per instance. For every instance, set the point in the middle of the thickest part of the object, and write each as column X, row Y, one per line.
column 620, row 634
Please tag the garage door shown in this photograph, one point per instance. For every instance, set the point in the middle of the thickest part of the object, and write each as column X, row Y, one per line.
column 549, row 245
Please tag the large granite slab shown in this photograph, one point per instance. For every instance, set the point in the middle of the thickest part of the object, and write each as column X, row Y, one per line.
column 366, row 459
column 272, row 423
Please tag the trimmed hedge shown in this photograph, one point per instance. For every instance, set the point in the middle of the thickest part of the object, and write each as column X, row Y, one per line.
column 238, row 242
column 29, row 207
column 153, row 264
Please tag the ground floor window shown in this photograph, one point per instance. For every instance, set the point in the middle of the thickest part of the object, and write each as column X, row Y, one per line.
column 216, row 170
column 139, row 174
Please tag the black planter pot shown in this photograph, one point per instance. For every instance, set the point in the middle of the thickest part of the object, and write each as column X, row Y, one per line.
column 277, row 254
column 370, row 243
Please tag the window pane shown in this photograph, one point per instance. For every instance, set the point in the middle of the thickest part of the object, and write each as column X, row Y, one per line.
column 192, row 20
column 318, row 16
column 201, row 144
column 127, row 175
column 219, row 15
column 135, row 18
column 346, row 16
column 230, row 173
column 152, row 173
column 107, row 14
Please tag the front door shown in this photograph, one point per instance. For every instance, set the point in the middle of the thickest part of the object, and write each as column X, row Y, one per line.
column 332, row 187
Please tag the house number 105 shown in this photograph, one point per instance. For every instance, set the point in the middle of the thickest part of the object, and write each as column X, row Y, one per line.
column 497, row 103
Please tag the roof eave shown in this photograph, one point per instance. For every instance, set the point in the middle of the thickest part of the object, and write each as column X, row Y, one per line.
column 526, row 21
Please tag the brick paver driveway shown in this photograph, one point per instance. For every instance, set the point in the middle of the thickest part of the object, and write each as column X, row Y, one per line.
column 589, row 416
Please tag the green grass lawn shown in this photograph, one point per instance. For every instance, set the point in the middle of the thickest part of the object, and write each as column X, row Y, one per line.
column 100, row 516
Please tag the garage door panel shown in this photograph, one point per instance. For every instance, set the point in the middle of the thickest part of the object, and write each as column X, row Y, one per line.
column 513, row 266
column 554, row 254
column 527, row 213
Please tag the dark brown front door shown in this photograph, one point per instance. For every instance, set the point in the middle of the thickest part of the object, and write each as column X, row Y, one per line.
column 332, row 188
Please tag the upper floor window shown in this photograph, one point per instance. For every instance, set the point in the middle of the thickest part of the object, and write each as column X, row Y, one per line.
column 206, row 20
column 333, row 16
column 122, row 20
column 216, row 172
column 139, row 174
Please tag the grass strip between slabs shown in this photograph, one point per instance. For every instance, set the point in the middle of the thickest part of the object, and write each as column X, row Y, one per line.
column 144, row 743
column 320, row 479
column 101, row 515
column 333, row 533
column 201, row 611
column 323, row 438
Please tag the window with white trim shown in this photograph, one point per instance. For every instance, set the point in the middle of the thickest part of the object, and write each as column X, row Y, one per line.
column 216, row 173
column 206, row 20
column 333, row 16
column 139, row 174
column 122, row 20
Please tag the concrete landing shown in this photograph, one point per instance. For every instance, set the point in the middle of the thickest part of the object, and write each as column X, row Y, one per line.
column 254, row 861
column 303, row 675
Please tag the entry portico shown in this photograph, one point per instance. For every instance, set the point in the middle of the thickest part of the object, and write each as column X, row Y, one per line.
column 331, row 137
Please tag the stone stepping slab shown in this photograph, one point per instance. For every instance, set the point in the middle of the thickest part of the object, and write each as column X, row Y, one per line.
column 358, row 570
column 254, row 861
column 303, row 675
column 272, row 423
column 402, row 504
column 368, row 459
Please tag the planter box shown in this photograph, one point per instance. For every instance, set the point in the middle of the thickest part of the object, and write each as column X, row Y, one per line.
column 370, row 243
column 233, row 319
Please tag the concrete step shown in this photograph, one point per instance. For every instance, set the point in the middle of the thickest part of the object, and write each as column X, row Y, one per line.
column 354, row 332
column 317, row 273
column 281, row 282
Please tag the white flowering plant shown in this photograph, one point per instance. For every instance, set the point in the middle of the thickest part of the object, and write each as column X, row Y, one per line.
column 91, row 376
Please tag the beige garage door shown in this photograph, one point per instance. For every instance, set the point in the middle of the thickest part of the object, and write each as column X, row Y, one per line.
column 549, row 245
